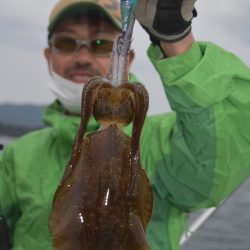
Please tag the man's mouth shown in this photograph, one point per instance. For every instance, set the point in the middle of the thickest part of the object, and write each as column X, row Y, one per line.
column 79, row 77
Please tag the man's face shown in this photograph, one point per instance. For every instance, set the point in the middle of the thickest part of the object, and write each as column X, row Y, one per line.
column 80, row 65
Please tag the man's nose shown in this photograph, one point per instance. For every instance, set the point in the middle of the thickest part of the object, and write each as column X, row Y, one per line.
column 84, row 54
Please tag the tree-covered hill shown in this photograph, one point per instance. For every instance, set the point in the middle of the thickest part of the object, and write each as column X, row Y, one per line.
column 16, row 120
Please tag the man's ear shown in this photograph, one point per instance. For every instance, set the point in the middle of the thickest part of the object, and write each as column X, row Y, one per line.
column 131, row 56
column 47, row 55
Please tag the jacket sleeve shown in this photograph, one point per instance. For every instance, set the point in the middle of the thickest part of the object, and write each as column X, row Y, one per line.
column 8, row 205
column 209, row 151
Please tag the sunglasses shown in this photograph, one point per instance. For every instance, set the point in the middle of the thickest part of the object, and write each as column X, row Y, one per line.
column 69, row 45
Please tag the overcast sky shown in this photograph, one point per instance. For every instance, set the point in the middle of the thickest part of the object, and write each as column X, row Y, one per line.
column 23, row 26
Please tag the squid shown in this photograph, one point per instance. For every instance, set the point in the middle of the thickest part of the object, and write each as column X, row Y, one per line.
column 104, row 200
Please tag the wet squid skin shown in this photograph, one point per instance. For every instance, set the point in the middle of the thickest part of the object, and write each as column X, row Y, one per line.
column 104, row 200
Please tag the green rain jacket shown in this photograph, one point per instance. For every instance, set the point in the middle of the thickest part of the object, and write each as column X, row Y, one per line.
column 194, row 156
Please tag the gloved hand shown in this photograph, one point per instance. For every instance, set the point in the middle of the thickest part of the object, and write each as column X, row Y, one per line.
column 165, row 20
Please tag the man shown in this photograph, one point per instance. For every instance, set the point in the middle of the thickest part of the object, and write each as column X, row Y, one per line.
column 194, row 156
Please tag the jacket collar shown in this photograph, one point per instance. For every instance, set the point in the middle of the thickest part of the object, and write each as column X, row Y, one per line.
column 65, row 126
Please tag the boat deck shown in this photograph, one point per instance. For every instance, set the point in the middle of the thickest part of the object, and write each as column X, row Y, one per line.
column 228, row 228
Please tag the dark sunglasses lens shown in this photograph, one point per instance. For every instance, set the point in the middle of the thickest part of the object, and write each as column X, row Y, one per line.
column 65, row 44
column 101, row 46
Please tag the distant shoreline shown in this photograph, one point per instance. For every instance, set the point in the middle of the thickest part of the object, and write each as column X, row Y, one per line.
column 5, row 139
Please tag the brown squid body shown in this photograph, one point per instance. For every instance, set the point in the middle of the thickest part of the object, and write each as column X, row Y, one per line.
column 104, row 200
